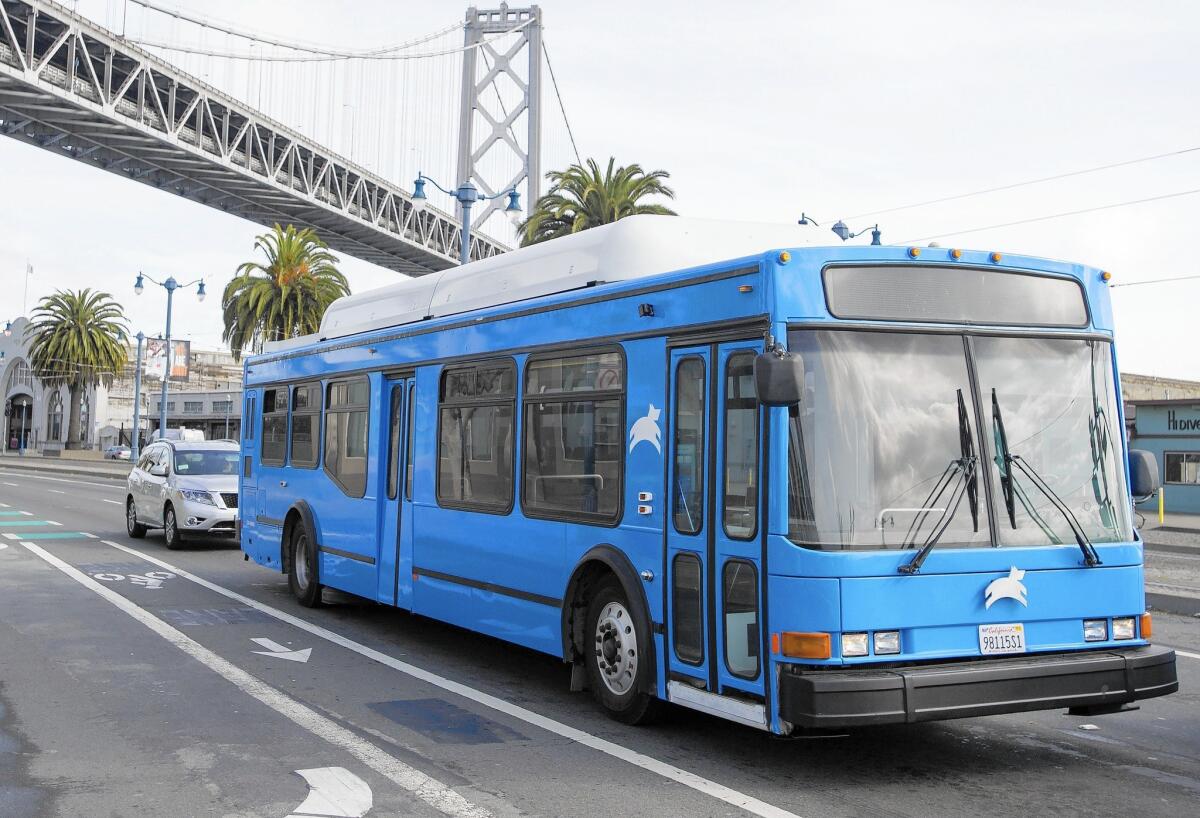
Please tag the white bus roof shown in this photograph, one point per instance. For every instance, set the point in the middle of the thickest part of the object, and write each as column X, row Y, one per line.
column 635, row 247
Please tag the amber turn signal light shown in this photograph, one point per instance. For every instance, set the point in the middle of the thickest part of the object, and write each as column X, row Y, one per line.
column 806, row 645
column 1147, row 626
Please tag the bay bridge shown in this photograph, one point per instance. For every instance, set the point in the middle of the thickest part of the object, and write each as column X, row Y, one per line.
column 197, row 108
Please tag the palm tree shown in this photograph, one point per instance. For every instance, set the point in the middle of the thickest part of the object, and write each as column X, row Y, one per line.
column 77, row 338
column 581, row 197
column 296, row 285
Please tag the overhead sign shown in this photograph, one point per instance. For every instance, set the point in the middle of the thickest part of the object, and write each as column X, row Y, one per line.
column 156, row 359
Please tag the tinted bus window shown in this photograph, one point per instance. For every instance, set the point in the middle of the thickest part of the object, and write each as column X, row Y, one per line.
column 346, row 417
column 688, row 622
column 408, row 451
column 274, row 422
column 394, row 441
column 574, row 436
column 687, row 503
column 741, row 618
column 475, row 436
column 740, row 498
column 306, row 405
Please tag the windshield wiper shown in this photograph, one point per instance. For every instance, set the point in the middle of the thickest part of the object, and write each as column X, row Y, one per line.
column 964, row 468
column 1006, row 460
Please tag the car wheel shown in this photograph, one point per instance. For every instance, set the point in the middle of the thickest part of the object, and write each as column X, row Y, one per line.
column 302, row 568
column 171, row 533
column 135, row 529
column 617, row 656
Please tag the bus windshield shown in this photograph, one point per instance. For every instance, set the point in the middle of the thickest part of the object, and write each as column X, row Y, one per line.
column 886, row 445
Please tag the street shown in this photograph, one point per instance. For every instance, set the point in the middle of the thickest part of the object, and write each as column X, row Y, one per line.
column 138, row 681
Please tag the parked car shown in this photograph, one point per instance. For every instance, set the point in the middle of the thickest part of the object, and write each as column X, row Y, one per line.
column 184, row 487
column 116, row 453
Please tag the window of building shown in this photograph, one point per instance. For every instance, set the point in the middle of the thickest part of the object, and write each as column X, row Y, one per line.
column 21, row 376
column 306, row 419
column 346, row 417
column 740, row 498
column 1182, row 468
column 475, row 436
column 193, row 407
column 170, row 406
column 574, row 436
column 274, row 426
column 54, row 417
column 222, row 406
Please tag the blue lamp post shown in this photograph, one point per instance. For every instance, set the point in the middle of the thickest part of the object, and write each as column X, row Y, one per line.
column 843, row 232
column 170, row 285
column 466, row 195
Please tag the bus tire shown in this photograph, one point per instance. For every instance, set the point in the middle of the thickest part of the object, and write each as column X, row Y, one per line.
column 302, row 567
column 136, row 530
column 616, row 661
column 171, row 535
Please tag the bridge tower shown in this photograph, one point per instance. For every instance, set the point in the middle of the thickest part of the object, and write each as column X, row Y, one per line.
column 486, row 129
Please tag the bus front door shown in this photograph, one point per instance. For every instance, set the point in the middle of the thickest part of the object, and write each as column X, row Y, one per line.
column 714, row 524
column 395, row 565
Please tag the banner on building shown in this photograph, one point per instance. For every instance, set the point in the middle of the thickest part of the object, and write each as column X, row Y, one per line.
column 156, row 359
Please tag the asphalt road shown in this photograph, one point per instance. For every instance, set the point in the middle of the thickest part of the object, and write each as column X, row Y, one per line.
column 130, row 685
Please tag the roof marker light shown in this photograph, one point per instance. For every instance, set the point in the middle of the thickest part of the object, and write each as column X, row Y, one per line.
column 913, row 252
column 784, row 257
column 996, row 257
column 745, row 288
column 956, row 254
column 1106, row 276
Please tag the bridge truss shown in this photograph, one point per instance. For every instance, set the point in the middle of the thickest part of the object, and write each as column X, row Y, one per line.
column 73, row 87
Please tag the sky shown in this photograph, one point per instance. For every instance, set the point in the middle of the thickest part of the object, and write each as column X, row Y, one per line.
column 760, row 111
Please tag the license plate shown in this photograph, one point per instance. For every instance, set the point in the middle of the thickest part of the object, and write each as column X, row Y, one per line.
column 996, row 639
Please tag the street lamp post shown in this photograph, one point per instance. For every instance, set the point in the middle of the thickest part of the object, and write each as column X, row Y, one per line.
column 466, row 195
column 134, row 443
column 170, row 285
column 228, row 405
column 843, row 232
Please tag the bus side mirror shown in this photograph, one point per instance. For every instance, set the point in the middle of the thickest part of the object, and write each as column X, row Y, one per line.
column 1143, row 472
column 778, row 378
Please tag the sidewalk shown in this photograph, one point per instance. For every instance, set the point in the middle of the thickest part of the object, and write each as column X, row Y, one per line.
column 108, row 469
column 1172, row 562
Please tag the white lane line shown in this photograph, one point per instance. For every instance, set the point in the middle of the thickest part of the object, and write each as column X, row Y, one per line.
column 429, row 790
column 56, row 491
column 14, row 485
column 661, row 768
column 114, row 502
column 1188, row 654
column 115, row 484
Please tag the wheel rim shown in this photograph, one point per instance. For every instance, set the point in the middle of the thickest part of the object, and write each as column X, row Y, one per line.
column 301, row 560
column 170, row 527
column 130, row 516
column 616, row 648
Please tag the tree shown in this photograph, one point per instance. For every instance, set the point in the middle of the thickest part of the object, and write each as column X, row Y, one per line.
column 77, row 338
column 285, row 297
column 581, row 197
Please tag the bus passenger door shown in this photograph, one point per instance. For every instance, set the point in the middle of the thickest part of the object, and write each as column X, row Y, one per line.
column 714, row 532
column 395, row 569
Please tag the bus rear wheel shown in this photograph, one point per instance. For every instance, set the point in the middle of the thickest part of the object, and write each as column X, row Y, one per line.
column 302, row 568
column 617, row 662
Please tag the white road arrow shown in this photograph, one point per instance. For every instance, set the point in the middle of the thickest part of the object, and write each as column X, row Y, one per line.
column 333, row 792
column 280, row 652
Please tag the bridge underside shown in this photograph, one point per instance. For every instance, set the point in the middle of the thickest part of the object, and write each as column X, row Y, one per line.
column 70, row 86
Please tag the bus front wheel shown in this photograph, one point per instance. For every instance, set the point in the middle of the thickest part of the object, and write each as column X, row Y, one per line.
column 302, row 568
column 616, row 661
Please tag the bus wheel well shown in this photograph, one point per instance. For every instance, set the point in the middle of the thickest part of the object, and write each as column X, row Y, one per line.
column 285, row 552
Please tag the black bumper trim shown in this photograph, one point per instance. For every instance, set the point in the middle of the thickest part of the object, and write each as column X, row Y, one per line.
column 978, row 687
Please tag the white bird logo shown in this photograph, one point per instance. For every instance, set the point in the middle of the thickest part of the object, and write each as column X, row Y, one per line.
column 1008, row 587
column 646, row 429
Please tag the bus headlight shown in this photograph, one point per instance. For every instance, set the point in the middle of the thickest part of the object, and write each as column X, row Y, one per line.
column 1095, row 630
column 854, row 644
column 887, row 642
column 1123, row 627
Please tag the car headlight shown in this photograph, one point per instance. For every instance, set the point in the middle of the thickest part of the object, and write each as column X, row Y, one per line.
column 197, row 496
column 1123, row 627
column 854, row 644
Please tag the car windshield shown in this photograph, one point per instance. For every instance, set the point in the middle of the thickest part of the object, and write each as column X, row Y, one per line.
column 881, row 453
column 206, row 462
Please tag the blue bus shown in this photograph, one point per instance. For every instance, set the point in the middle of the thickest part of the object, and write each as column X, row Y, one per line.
column 801, row 488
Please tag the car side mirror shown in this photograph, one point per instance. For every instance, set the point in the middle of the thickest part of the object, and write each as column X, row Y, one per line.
column 158, row 471
column 1143, row 473
column 778, row 378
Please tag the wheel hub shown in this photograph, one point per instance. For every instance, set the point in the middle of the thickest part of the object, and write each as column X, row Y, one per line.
column 616, row 648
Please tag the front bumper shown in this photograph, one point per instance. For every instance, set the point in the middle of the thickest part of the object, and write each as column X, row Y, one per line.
column 978, row 687
column 201, row 518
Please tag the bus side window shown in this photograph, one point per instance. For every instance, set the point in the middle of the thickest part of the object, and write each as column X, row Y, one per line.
column 740, row 497
column 347, row 412
column 475, row 436
column 687, row 504
column 306, row 422
column 274, row 426
column 574, row 436
column 408, row 448
column 251, row 408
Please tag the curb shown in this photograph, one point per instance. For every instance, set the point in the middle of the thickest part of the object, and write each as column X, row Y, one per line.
column 72, row 471
column 1171, row 548
column 1170, row 603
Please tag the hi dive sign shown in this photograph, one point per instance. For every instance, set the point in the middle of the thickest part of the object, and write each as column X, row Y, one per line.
column 156, row 359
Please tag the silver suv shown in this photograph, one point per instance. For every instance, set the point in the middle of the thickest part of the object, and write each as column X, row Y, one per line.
column 184, row 488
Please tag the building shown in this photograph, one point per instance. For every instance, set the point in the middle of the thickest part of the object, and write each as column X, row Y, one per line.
column 1170, row 428
column 36, row 415
column 1150, row 387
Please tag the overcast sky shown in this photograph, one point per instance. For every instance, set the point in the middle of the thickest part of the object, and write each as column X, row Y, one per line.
column 759, row 111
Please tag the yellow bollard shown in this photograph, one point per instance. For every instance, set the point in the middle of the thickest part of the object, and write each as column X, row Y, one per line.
column 1160, row 505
